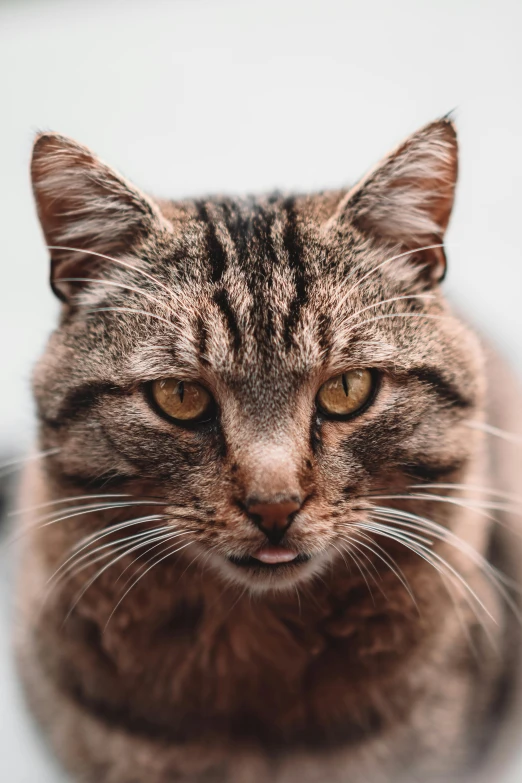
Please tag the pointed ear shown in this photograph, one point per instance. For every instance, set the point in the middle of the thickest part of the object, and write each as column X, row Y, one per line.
column 86, row 206
column 406, row 200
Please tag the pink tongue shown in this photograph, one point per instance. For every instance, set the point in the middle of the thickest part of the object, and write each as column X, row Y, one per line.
column 274, row 554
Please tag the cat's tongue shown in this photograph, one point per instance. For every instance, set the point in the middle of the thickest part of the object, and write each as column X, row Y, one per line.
column 274, row 554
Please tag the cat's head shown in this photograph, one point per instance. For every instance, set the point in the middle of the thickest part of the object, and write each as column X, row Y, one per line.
column 260, row 365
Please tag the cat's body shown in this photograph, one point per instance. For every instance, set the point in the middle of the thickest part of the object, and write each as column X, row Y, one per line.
column 353, row 658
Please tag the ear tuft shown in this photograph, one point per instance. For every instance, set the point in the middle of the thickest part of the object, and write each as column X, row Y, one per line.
column 84, row 204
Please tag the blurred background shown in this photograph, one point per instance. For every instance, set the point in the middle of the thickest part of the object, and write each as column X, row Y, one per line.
column 187, row 97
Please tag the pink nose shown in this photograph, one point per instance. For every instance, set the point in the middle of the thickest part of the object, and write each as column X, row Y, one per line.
column 273, row 517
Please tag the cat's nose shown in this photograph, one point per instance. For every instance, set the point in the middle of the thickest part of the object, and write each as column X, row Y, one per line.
column 273, row 517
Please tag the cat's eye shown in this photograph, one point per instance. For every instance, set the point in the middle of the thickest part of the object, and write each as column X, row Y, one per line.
column 346, row 394
column 184, row 401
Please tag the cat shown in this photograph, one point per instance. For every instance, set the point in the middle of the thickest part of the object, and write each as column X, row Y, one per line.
column 259, row 544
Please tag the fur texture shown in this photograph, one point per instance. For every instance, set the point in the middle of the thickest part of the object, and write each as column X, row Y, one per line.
column 376, row 657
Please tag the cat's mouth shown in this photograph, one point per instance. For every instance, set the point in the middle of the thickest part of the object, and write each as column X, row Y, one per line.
column 270, row 558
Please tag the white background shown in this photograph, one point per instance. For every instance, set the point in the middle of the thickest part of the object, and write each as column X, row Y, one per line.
column 192, row 96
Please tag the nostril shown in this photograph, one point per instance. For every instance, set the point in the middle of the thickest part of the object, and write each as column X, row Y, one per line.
column 274, row 517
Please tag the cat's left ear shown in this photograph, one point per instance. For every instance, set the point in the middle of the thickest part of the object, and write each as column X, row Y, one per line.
column 406, row 200
column 85, row 208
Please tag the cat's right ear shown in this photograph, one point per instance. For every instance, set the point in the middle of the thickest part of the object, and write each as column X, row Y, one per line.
column 86, row 210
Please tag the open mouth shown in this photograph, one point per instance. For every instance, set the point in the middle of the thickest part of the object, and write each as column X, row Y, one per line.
column 270, row 558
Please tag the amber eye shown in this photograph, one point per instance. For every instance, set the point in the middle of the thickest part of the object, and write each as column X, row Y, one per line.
column 182, row 400
column 345, row 394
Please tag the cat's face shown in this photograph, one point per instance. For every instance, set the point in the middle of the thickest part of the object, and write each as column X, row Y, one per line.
column 260, row 366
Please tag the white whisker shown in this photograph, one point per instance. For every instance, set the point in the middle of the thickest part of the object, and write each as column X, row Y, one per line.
column 429, row 555
column 382, row 555
column 384, row 263
column 12, row 465
column 76, row 551
column 49, row 503
column 496, row 431
column 99, row 534
column 107, row 549
column 102, row 571
column 90, row 559
column 443, row 534
column 103, row 281
column 359, row 565
column 117, row 261
column 163, row 557
column 41, row 524
column 147, row 551
column 428, row 316
column 471, row 487
column 387, row 301
column 130, row 310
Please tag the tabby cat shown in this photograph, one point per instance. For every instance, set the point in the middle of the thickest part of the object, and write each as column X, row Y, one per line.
column 263, row 540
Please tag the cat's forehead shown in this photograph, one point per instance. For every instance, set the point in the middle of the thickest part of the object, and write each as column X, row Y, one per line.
column 272, row 254
column 254, row 277
column 257, row 236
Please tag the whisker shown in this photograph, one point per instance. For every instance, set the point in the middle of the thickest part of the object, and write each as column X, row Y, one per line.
column 144, row 554
column 160, row 534
column 11, row 466
column 298, row 599
column 235, row 603
column 163, row 557
column 500, row 493
column 83, row 510
column 190, row 563
column 412, row 526
column 442, row 533
column 462, row 623
column 130, row 310
column 103, row 281
column 496, row 578
column 99, row 573
column 382, row 555
column 466, row 591
column 456, row 580
column 388, row 301
column 73, row 511
column 371, row 564
column 384, row 263
column 206, row 555
column 97, row 535
column 357, row 562
column 89, row 508
column 49, row 503
column 479, row 506
column 117, row 261
column 496, row 431
column 94, row 556
column 464, row 487
column 404, row 315
column 39, row 524
column 74, row 568
column 429, row 556
column 342, row 555
column 76, row 550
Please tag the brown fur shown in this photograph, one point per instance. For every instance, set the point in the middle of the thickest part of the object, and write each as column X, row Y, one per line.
column 206, row 671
